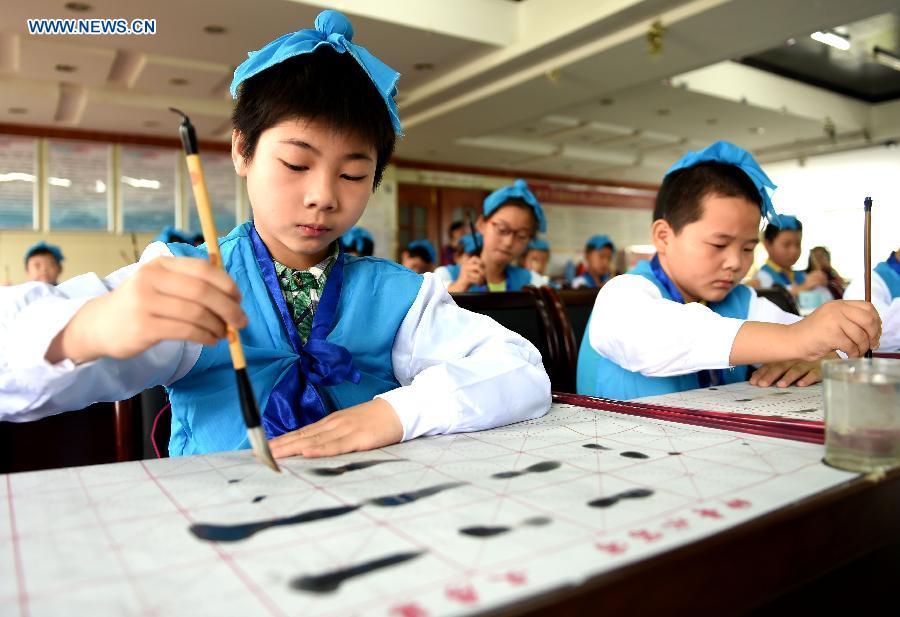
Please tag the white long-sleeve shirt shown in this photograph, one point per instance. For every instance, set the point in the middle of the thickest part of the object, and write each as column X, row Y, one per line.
column 888, row 309
column 633, row 325
column 458, row 371
column 442, row 273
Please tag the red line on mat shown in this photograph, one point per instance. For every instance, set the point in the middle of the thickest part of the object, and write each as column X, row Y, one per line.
column 17, row 555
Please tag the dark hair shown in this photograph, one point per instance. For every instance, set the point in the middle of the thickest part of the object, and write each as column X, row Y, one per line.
column 323, row 85
column 454, row 226
column 366, row 247
column 420, row 252
column 772, row 231
column 680, row 197
column 519, row 203
column 40, row 251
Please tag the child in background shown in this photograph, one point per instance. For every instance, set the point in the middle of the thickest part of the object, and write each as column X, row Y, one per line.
column 885, row 297
column 510, row 218
column 455, row 234
column 43, row 263
column 598, row 254
column 344, row 353
column 782, row 239
column 536, row 259
column 419, row 256
column 820, row 260
column 358, row 242
column 682, row 320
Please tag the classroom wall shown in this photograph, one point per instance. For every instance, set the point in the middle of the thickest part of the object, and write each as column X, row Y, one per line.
column 826, row 194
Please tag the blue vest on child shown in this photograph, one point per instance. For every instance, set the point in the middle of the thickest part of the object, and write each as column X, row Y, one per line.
column 889, row 271
column 295, row 384
column 516, row 278
column 600, row 376
column 782, row 279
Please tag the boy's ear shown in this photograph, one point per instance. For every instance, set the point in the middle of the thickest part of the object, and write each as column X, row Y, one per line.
column 661, row 234
column 479, row 225
column 240, row 163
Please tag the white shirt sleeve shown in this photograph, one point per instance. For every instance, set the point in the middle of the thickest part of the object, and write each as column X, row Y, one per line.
column 32, row 314
column 888, row 309
column 538, row 280
column 635, row 327
column 578, row 282
column 765, row 279
column 443, row 275
column 460, row 371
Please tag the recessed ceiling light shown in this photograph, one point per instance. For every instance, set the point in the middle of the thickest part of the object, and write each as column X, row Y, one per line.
column 662, row 112
column 214, row 29
column 712, row 121
column 78, row 7
column 423, row 66
column 790, row 42
column 178, row 81
column 886, row 58
column 757, row 130
column 606, row 102
column 832, row 39
column 66, row 68
column 17, row 110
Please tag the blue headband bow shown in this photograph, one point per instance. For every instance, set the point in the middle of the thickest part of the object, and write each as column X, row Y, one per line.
column 468, row 243
column 355, row 237
column 595, row 243
column 539, row 245
column 787, row 222
column 517, row 190
column 334, row 30
column 51, row 248
column 427, row 246
column 725, row 152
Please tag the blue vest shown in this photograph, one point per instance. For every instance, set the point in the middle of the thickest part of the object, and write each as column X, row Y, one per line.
column 890, row 274
column 516, row 278
column 782, row 279
column 374, row 299
column 600, row 376
column 589, row 281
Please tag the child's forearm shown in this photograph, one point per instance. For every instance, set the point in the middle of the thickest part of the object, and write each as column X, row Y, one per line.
column 71, row 342
column 759, row 343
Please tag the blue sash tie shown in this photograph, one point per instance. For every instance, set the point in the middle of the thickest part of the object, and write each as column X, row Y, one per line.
column 707, row 378
column 295, row 402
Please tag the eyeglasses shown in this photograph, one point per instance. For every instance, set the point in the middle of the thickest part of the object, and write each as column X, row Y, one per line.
column 504, row 232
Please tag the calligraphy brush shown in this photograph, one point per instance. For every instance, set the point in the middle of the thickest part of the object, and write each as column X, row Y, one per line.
column 867, row 254
column 249, row 407
column 475, row 241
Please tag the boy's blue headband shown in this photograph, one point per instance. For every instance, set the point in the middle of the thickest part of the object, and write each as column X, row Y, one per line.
column 726, row 152
column 427, row 246
column 787, row 222
column 517, row 190
column 595, row 243
column 539, row 245
column 468, row 243
column 170, row 234
column 43, row 246
column 334, row 30
column 355, row 237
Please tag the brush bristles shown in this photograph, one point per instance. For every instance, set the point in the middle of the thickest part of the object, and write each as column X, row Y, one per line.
column 260, row 446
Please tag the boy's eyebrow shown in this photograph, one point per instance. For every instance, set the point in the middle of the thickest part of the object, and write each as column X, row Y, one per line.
column 353, row 156
column 724, row 236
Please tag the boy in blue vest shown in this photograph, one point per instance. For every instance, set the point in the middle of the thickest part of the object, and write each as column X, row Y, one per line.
column 345, row 353
column 511, row 216
column 885, row 297
column 598, row 254
column 683, row 321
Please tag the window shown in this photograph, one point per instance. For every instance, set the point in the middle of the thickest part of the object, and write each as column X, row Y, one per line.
column 17, row 181
column 147, row 180
column 77, row 174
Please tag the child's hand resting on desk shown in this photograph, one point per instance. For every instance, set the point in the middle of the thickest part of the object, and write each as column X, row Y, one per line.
column 471, row 272
column 851, row 326
column 367, row 426
column 177, row 298
column 784, row 374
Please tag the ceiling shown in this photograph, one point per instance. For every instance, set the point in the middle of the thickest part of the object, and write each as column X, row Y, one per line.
column 567, row 88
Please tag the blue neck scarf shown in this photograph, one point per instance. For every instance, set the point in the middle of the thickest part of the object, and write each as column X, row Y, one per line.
column 893, row 263
column 295, row 402
column 706, row 378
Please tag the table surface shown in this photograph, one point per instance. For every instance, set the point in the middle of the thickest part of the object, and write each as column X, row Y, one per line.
column 555, row 510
